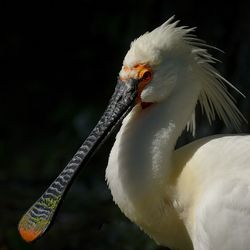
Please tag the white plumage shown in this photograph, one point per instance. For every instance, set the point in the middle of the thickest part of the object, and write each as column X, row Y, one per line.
column 196, row 197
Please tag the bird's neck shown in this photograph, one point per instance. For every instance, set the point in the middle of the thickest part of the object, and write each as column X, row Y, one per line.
column 140, row 161
column 140, row 166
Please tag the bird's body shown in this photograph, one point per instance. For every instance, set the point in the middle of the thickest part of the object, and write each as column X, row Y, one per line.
column 196, row 197
column 204, row 201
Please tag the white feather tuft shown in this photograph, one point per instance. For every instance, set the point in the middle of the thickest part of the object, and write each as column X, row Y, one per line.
column 214, row 98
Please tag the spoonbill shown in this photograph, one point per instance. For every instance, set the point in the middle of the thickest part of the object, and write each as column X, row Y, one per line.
column 195, row 197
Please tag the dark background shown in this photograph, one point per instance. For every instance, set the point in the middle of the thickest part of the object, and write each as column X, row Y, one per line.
column 59, row 63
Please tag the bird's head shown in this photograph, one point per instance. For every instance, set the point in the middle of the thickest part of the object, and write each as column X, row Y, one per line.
column 157, row 59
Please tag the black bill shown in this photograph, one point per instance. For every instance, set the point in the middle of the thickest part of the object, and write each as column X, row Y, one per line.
column 39, row 217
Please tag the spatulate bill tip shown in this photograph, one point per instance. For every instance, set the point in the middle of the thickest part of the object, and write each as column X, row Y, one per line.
column 29, row 235
column 31, row 230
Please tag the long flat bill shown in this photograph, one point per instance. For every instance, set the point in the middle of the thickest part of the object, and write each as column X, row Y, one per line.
column 36, row 221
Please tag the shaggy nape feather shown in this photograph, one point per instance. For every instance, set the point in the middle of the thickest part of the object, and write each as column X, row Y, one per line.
column 214, row 98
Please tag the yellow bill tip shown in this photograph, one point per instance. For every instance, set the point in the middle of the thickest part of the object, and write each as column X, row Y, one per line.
column 29, row 235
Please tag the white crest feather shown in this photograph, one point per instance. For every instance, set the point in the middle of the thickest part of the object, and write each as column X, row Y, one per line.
column 214, row 97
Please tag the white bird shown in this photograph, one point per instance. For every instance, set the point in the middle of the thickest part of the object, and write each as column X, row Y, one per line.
column 196, row 197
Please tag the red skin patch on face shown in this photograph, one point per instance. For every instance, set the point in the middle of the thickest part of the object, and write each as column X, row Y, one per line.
column 145, row 105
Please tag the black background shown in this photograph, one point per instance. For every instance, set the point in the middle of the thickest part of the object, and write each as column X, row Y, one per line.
column 59, row 64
